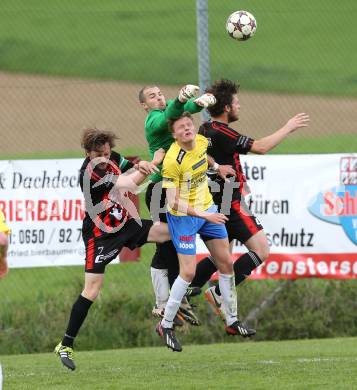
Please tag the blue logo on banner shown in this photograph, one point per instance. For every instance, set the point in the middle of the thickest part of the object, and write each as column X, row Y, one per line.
column 338, row 205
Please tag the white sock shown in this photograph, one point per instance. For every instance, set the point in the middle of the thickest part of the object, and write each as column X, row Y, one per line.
column 160, row 283
column 229, row 296
column 178, row 291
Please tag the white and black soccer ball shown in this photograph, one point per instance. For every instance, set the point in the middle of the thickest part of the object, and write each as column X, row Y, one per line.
column 241, row 25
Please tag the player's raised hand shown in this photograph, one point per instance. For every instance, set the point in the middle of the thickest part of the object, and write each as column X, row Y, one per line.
column 206, row 100
column 158, row 156
column 187, row 92
column 224, row 171
column 298, row 121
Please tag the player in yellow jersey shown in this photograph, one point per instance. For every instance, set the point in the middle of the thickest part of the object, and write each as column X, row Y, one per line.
column 4, row 242
column 191, row 211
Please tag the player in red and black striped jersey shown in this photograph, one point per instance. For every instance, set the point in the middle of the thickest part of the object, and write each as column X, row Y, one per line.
column 225, row 146
column 111, row 221
column 110, row 217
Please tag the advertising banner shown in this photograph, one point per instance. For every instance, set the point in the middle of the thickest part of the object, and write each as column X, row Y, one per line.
column 44, row 207
column 307, row 205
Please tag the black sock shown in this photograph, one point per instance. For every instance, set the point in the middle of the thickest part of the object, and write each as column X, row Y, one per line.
column 78, row 315
column 243, row 267
column 204, row 270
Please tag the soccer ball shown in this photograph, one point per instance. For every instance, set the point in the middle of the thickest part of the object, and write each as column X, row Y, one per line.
column 241, row 25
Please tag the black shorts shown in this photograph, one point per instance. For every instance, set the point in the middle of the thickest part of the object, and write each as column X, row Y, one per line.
column 100, row 251
column 241, row 224
column 165, row 256
column 155, row 199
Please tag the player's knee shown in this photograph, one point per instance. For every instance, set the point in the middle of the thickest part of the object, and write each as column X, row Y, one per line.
column 188, row 273
column 159, row 233
column 91, row 291
column 164, row 237
column 263, row 252
column 225, row 265
column 90, row 294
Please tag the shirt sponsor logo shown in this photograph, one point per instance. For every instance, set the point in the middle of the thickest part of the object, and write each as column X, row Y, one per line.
column 186, row 238
column 180, row 156
column 110, row 255
column 184, row 245
column 116, row 213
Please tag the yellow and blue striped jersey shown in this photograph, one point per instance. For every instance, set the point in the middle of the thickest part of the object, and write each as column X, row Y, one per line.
column 186, row 170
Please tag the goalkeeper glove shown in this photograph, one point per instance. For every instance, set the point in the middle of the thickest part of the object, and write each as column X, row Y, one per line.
column 206, row 100
column 187, row 92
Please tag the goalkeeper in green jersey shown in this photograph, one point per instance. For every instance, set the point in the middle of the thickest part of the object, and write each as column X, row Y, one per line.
column 164, row 265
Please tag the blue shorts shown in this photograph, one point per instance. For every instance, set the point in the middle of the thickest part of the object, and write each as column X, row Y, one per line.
column 183, row 230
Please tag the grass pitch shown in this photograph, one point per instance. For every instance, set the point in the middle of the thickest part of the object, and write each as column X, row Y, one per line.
column 305, row 47
column 329, row 143
column 308, row 364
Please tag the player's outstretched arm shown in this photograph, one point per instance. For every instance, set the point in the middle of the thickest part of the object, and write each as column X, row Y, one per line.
column 158, row 120
column 263, row 145
column 186, row 101
column 131, row 181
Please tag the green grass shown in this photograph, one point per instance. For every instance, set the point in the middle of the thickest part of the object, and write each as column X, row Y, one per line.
column 48, row 281
column 309, row 364
column 330, row 143
column 300, row 47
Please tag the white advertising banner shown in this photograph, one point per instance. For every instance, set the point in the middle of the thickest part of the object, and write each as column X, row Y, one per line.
column 306, row 203
column 44, row 208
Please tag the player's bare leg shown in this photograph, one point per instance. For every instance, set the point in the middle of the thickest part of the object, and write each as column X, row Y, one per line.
column 159, row 233
column 178, row 291
column 92, row 286
column 259, row 245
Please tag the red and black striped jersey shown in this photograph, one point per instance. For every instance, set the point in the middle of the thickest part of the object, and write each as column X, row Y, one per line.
column 225, row 145
column 96, row 185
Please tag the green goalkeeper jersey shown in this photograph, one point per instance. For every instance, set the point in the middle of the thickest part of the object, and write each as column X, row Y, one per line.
column 156, row 127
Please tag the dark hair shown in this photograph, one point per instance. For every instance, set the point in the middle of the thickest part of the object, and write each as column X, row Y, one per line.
column 172, row 121
column 223, row 90
column 93, row 139
column 142, row 93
